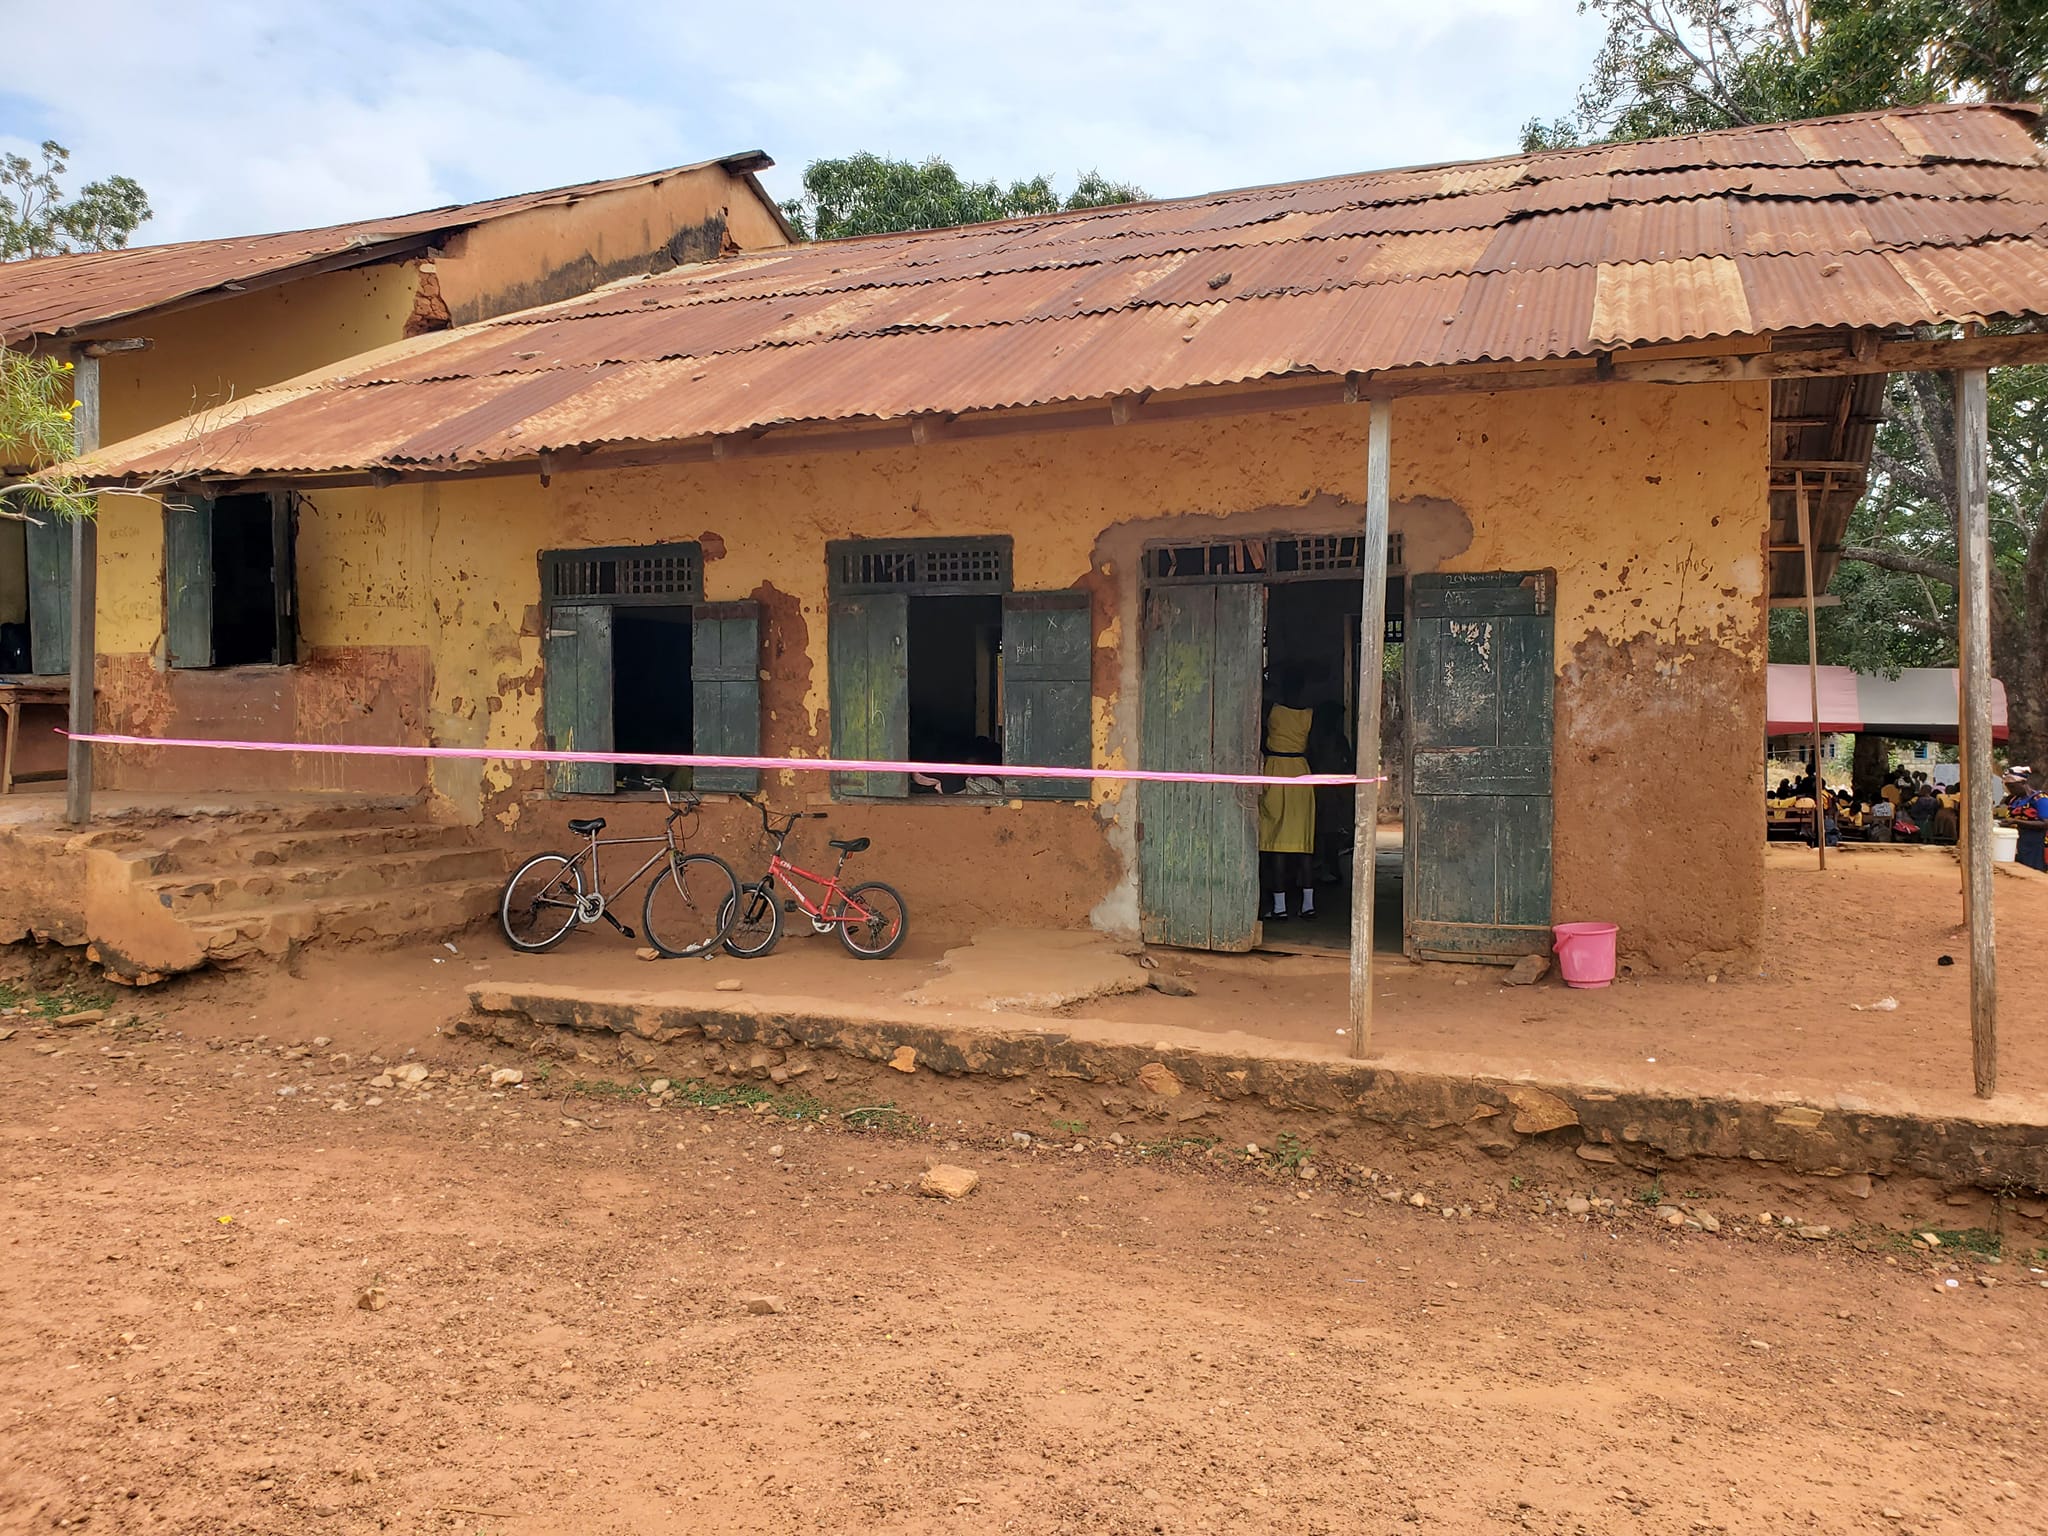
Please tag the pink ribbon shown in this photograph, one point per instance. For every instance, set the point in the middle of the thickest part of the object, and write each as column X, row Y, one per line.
column 693, row 760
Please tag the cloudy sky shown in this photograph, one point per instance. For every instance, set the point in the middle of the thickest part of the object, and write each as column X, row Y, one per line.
column 250, row 115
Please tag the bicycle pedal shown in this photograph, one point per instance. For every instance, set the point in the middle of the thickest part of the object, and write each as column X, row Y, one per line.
column 789, row 905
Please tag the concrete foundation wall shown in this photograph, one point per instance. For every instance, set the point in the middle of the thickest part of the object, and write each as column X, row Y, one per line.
column 1648, row 503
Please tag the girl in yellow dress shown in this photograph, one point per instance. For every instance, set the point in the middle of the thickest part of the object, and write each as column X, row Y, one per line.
column 1287, row 812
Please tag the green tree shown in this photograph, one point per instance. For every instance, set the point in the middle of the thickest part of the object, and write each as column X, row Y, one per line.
column 1684, row 66
column 869, row 194
column 36, row 219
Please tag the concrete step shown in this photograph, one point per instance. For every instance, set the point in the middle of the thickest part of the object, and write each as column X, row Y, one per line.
column 204, row 853
column 256, row 885
column 383, row 918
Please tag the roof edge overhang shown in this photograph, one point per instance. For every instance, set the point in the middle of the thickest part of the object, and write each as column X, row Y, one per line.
column 1749, row 359
column 743, row 164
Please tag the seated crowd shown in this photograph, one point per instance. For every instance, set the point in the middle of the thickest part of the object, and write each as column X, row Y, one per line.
column 1909, row 807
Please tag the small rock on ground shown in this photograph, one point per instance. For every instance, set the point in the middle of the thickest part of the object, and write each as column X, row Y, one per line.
column 730, row 984
column 1170, row 985
column 1528, row 970
column 905, row 1059
column 945, row 1181
column 762, row 1305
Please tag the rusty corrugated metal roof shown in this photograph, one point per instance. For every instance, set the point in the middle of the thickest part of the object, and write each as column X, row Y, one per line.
column 62, row 295
column 1886, row 219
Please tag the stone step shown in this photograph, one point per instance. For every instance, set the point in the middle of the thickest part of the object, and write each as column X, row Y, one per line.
column 255, row 885
column 207, row 852
column 384, row 918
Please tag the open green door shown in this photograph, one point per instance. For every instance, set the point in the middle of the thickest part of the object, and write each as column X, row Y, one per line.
column 1480, row 692
column 1198, row 844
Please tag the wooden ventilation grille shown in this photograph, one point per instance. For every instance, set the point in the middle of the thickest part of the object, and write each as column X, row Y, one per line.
column 931, row 566
column 650, row 574
column 1264, row 559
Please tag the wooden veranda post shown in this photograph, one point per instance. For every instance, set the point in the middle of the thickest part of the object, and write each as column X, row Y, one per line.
column 1973, row 631
column 85, row 565
column 1372, row 636
column 1820, row 788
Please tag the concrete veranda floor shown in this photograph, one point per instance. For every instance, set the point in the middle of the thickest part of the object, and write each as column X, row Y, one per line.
column 1873, row 927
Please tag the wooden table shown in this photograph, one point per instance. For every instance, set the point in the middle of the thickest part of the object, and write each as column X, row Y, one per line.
column 19, row 695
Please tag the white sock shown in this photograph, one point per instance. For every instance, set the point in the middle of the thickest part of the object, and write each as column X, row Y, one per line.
column 1308, row 901
column 1279, row 903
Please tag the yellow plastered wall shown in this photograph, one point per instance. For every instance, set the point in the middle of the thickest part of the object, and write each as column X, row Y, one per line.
column 1648, row 503
column 547, row 254
column 198, row 359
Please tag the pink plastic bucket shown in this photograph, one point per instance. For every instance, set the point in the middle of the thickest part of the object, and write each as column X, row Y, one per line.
column 1585, row 953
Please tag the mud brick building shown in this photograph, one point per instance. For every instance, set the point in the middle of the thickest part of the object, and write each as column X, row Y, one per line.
column 1062, row 490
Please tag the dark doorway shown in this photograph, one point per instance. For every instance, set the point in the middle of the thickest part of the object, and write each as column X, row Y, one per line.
column 1313, row 632
column 955, row 646
column 651, row 690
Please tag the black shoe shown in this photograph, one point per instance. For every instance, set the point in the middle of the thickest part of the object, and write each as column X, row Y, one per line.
column 1274, row 917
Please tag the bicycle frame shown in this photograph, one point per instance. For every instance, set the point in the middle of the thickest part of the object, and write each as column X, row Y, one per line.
column 670, row 848
column 782, row 869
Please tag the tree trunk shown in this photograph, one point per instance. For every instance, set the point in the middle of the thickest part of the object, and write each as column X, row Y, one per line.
column 1868, row 765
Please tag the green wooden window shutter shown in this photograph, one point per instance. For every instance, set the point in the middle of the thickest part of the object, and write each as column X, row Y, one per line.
column 868, row 645
column 284, row 575
column 576, row 690
column 188, row 581
column 725, row 692
column 49, row 593
column 1048, row 660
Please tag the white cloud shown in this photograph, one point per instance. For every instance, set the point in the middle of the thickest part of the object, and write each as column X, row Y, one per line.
column 261, row 114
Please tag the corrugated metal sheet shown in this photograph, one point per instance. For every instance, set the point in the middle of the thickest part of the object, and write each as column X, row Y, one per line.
column 1740, row 233
column 56, row 295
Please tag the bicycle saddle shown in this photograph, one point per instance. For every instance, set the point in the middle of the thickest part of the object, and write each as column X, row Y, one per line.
column 850, row 844
column 587, row 826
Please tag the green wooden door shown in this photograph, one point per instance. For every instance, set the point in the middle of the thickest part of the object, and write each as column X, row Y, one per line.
column 1480, row 691
column 1048, row 661
column 1198, row 844
column 725, row 692
column 49, row 594
column 868, row 645
column 576, row 694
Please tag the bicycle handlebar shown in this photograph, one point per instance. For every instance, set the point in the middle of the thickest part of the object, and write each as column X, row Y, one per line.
column 677, row 804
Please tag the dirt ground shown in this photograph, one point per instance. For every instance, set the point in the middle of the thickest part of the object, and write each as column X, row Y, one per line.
column 591, row 1314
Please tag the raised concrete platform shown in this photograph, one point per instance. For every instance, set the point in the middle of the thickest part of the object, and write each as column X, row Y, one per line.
column 159, row 885
column 1203, row 1083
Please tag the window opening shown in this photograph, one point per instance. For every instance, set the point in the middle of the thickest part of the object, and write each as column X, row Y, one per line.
column 651, row 693
column 245, row 586
column 956, row 711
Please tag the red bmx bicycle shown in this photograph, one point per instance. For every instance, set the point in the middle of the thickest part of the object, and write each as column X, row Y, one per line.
column 870, row 919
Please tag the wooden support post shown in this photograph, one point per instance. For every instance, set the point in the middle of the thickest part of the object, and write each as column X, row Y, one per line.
column 85, row 570
column 1372, row 636
column 1820, row 788
column 1980, row 787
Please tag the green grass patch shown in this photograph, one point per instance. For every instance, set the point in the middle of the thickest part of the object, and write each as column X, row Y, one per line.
column 885, row 1119
column 1289, row 1152
column 1965, row 1240
column 1175, row 1146
column 789, row 1106
column 77, row 998
column 1654, row 1195
column 1071, row 1127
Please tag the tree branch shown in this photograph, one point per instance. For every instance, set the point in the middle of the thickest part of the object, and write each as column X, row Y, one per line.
column 1905, row 564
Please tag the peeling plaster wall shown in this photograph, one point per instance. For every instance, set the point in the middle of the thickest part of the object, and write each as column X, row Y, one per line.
column 548, row 254
column 1648, row 503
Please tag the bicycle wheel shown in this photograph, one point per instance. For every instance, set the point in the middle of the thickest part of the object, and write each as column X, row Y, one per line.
column 689, row 904
column 878, row 934
column 539, row 905
column 754, row 925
